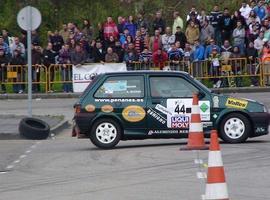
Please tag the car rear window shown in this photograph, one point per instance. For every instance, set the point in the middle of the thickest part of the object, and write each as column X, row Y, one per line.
column 121, row 87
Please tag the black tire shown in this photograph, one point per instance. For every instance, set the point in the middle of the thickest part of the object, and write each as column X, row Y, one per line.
column 35, row 129
column 108, row 139
column 238, row 122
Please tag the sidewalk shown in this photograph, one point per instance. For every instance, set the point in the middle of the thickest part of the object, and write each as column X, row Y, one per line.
column 9, row 125
column 77, row 95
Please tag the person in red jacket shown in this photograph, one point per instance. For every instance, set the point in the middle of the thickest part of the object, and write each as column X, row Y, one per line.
column 159, row 58
column 110, row 29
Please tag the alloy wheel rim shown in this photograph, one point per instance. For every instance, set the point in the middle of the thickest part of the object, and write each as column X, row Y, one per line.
column 106, row 133
column 234, row 128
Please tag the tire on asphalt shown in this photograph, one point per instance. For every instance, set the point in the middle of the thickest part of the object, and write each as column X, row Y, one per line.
column 105, row 133
column 35, row 129
column 235, row 128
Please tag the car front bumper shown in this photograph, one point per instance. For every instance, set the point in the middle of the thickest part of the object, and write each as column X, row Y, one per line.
column 260, row 123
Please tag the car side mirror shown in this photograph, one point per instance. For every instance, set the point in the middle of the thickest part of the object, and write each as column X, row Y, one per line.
column 201, row 95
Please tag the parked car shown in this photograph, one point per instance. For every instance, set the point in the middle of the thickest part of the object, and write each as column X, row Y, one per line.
column 157, row 104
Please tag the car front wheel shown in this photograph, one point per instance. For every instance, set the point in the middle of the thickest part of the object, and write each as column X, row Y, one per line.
column 105, row 134
column 235, row 128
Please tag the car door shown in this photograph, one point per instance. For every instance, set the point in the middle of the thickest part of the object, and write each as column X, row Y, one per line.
column 169, row 105
column 123, row 97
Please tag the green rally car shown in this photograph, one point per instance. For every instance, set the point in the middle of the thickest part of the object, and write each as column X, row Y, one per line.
column 157, row 104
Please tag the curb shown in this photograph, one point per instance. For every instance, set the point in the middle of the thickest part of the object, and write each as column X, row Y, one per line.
column 54, row 131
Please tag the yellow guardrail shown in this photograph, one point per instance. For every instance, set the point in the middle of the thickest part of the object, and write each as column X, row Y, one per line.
column 230, row 71
column 17, row 76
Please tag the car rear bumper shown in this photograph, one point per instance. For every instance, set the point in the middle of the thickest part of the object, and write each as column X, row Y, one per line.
column 260, row 123
column 82, row 122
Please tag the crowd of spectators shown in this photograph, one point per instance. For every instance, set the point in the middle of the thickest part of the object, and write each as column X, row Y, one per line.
column 201, row 35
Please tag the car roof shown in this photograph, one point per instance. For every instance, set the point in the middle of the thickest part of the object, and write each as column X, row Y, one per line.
column 143, row 72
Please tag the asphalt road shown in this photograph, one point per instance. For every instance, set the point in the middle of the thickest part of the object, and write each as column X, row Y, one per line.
column 71, row 169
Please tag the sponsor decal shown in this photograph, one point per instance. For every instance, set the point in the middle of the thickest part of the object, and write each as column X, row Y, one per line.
column 133, row 113
column 163, row 109
column 236, row 103
column 215, row 102
column 215, row 116
column 182, row 107
column 260, row 130
column 180, row 121
column 151, row 132
column 90, row 108
column 157, row 116
column 107, row 108
column 119, row 100
column 206, row 124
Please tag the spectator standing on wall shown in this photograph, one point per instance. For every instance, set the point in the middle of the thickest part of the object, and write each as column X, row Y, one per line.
column 175, row 56
column 225, row 25
column 155, row 41
column 207, row 32
column 251, row 55
column 120, row 24
column 123, row 37
column 57, row 41
column 3, row 69
column 139, row 42
column 142, row 22
column 36, row 62
column 167, row 39
column 78, row 57
column 245, row 10
column 239, row 36
column 159, row 58
column 178, row 22
column 198, row 56
column 49, row 58
column 192, row 12
column 131, row 26
column 64, row 32
column 119, row 50
column 159, row 23
column 110, row 29
column 259, row 42
column 146, row 58
column 202, row 17
column 35, row 37
column 181, row 37
column 226, row 51
column 192, row 33
column 17, row 45
column 99, row 53
column 111, row 57
column 6, row 37
column 18, row 59
column 66, row 68
column 238, row 17
column 4, row 46
column 214, row 18
column 210, row 47
column 266, row 61
column 260, row 10
column 87, row 29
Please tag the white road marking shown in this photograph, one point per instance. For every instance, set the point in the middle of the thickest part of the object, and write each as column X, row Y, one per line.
column 33, row 146
column 28, row 151
column 17, row 161
column 10, row 166
column 201, row 175
column 3, row 172
column 23, row 156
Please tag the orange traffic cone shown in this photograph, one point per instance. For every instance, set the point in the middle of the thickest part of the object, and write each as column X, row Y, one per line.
column 216, row 187
column 195, row 136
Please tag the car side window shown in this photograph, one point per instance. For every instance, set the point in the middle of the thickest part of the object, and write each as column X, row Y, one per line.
column 169, row 87
column 121, row 87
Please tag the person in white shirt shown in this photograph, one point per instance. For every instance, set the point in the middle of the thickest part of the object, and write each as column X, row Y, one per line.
column 259, row 42
column 167, row 39
column 245, row 10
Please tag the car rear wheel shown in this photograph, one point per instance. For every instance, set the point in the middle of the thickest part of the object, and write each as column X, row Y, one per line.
column 105, row 134
column 235, row 128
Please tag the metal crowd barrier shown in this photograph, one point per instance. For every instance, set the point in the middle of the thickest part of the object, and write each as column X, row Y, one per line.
column 56, row 76
column 231, row 71
column 14, row 78
column 265, row 67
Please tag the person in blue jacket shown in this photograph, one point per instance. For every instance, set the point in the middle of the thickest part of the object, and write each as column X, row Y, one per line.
column 210, row 47
column 131, row 26
column 198, row 57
